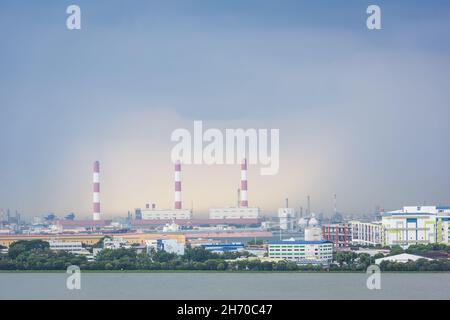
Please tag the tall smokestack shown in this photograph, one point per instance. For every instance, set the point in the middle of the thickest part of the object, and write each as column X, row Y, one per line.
column 244, row 199
column 177, row 185
column 96, row 191
column 238, row 197
column 309, row 205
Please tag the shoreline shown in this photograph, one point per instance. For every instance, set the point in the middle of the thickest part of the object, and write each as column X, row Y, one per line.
column 216, row 271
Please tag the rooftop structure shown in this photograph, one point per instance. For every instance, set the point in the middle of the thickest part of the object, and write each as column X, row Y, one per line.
column 401, row 258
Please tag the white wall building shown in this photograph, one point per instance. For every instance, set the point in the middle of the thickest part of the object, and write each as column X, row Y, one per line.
column 416, row 225
column 171, row 227
column 234, row 213
column 74, row 247
column 313, row 234
column 366, row 233
column 115, row 243
column 314, row 252
column 287, row 218
column 167, row 245
column 165, row 214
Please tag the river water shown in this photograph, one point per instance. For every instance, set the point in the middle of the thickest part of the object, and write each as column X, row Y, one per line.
column 210, row 286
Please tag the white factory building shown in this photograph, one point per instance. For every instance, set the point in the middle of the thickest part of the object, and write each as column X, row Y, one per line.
column 302, row 252
column 313, row 234
column 74, row 247
column 234, row 213
column 366, row 233
column 287, row 218
column 167, row 245
column 416, row 225
column 165, row 214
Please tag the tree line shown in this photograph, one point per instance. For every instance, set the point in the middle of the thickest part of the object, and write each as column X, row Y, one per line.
column 36, row 255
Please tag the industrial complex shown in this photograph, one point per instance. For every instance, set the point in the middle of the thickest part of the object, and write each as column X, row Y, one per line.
column 290, row 235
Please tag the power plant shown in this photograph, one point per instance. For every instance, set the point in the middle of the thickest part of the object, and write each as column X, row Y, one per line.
column 178, row 213
column 242, row 211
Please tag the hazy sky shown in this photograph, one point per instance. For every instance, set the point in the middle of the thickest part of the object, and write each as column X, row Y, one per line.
column 363, row 114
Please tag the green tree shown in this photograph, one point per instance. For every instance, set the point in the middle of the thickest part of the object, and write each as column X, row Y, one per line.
column 26, row 246
column 365, row 260
column 345, row 258
column 396, row 250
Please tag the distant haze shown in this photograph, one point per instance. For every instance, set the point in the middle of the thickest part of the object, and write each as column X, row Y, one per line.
column 363, row 114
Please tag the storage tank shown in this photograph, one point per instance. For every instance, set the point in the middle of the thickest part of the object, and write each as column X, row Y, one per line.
column 313, row 221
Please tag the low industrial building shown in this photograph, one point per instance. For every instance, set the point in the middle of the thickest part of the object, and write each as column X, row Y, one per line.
column 167, row 245
column 313, row 234
column 92, row 239
column 75, row 247
column 234, row 213
column 302, row 252
column 223, row 247
column 163, row 214
column 115, row 243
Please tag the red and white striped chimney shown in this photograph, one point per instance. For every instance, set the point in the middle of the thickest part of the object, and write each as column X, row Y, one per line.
column 96, row 191
column 244, row 199
column 177, row 185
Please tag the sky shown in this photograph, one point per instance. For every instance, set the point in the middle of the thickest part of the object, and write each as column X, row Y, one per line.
column 362, row 113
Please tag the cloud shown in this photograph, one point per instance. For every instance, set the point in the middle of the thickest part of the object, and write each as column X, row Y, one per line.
column 361, row 115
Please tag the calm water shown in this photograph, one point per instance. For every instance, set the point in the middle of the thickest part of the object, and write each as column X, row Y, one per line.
column 223, row 286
